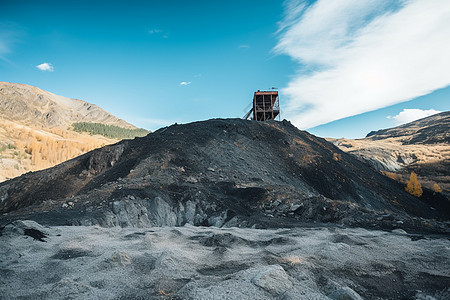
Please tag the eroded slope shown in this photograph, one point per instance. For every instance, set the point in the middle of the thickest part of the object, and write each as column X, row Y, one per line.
column 219, row 172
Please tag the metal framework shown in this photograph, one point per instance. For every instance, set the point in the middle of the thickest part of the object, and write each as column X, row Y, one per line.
column 266, row 106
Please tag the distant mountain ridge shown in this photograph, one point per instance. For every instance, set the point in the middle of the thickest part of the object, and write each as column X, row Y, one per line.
column 38, row 129
column 33, row 106
column 422, row 146
column 430, row 130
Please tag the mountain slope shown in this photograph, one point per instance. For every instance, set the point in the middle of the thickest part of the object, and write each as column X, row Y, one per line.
column 219, row 172
column 32, row 106
column 422, row 146
column 37, row 132
column 432, row 130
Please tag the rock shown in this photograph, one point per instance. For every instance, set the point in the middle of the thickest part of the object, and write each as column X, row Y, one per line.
column 276, row 203
column 190, row 212
column 64, row 205
column 22, row 227
column 217, row 221
column 273, row 279
column 191, row 179
column 161, row 213
column 294, row 207
column 120, row 258
column 345, row 293
column 116, row 207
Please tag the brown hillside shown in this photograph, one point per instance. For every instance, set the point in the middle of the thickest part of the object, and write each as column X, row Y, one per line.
column 31, row 106
column 35, row 129
column 421, row 146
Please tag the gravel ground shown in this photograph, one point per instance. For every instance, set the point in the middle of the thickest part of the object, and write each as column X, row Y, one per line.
column 188, row 262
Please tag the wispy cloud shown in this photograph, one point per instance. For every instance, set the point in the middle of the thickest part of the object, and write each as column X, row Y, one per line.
column 45, row 67
column 356, row 56
column 160, row 32
column 411, row 114
column 184, row 83
column 244, row 46
column 154, row 31
column 9, row 37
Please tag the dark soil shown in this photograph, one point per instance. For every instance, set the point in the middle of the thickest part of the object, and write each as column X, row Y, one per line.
column 230, row 172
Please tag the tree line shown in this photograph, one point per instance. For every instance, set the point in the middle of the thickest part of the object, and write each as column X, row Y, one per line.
column 109, row 131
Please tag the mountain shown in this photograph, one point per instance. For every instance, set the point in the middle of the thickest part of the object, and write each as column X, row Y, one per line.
column 421, row 146
column 31, row 106
column 431, row 130
column 37, row 128
column 221, row 172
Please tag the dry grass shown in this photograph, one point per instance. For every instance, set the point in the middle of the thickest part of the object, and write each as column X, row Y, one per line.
column 392, row 175
column 37, row 148
column 422, row 153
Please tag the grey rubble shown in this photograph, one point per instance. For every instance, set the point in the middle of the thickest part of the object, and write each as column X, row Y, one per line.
column 92, row 262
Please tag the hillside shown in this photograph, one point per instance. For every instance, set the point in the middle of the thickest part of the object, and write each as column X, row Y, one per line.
column 220, row 209
column 422, row 146
column 36, row 129
column 228, row 172
column 33, row 107
column 431, row 130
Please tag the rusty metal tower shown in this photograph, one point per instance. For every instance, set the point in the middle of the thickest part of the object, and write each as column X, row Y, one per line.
column 266, row 106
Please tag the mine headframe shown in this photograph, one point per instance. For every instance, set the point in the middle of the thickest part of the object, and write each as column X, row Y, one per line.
column 266, row 106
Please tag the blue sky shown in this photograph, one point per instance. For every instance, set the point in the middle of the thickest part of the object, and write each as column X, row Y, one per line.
column 154, row 63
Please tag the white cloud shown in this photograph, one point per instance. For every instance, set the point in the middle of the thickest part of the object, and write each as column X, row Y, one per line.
column 244, row 46
column 184, row 83
column 45, row 67
column 154, row 31
column 411, row 114
column 356, row 56
column 160, row 32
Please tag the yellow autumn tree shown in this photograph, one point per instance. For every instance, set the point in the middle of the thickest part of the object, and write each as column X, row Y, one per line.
column 437, row 188
column 413, row 186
